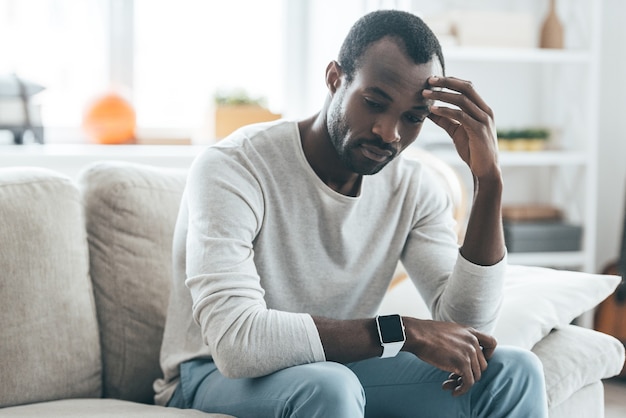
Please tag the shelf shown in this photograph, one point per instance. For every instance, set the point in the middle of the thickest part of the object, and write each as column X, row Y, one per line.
column 542, row 158
column 515, row 55
column 538, row 87
column 524, row 158
column 573, row 259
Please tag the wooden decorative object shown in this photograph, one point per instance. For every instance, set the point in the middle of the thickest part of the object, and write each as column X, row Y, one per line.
column 551, row 29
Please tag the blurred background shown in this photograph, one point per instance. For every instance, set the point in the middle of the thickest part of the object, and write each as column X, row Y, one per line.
column 550, row 70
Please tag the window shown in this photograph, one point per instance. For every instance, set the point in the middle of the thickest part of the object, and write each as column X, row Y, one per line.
column 60, row 44
column 186, row 50
column 170, row 55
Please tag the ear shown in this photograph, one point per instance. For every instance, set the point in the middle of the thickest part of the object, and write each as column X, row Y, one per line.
column 334, row 74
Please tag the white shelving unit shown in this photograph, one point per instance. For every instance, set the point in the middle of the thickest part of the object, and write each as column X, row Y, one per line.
column 558, row 89
column 525, row 158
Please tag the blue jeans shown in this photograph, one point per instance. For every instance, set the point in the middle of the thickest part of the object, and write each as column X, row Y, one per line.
column 403, row 386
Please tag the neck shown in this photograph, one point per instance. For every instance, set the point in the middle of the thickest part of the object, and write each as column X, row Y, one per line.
column 322, row 156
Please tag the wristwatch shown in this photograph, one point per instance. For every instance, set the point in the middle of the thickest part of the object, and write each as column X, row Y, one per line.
column 391, row 334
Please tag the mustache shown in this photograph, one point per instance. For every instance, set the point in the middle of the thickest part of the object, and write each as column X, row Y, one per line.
column 382, row 145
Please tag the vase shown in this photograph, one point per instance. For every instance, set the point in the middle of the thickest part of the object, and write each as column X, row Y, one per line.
column 551, row 29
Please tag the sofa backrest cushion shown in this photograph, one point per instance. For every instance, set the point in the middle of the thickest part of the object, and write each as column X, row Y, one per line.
column 131, row 212
column 49, row 346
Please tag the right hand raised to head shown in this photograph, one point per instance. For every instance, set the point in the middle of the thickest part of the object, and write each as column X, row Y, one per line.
column 460, row 350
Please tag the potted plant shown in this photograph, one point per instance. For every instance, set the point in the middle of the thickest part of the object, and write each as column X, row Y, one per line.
column 236, row 108
column 527, row 139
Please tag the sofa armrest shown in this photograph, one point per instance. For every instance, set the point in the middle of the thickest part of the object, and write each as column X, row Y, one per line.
column 574, row 357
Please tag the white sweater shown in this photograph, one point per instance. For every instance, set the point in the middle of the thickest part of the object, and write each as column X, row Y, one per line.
column 261, row 244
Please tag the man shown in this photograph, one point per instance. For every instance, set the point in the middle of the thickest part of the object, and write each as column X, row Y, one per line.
column 289, row 234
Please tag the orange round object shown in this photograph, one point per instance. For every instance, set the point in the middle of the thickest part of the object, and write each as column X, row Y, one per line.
column 110, row 119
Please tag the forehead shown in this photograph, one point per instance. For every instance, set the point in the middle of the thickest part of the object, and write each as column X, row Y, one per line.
column 385, row 63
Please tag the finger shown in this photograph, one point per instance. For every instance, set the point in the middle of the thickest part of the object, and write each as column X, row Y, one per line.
column 462, row 86
column 451, row 126
column 449, row 384
column 482, row 360
column 453, row 381
column 487, row 342
column 462, row 387
column 466, row 381
column 488, row 352
column 478, row 363
column 460, row 100
column 447, row 124
column 455, row 116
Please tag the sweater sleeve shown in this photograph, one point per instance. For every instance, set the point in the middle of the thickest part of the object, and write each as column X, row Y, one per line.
column 453, row 288
column 245, row 338
column 473, row 295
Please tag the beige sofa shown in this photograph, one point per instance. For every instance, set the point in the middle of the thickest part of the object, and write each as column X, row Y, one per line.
column 84, row 278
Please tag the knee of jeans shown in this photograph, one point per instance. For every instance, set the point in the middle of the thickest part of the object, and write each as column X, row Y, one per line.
column 518, row 362
column 332, row 384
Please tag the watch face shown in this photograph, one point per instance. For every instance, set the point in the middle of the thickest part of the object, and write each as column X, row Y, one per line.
column 390, row 328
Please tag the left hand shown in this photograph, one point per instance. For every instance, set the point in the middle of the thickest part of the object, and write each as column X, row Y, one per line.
column 471, row 126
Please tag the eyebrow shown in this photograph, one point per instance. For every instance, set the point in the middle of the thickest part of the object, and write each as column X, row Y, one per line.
column 381, row 92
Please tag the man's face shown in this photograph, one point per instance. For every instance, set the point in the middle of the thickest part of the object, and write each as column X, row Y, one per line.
column 376, row 116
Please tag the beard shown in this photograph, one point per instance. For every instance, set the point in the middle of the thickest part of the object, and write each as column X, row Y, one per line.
column 348, row 149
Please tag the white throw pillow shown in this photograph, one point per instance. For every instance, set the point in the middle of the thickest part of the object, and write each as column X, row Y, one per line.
column 536, row 301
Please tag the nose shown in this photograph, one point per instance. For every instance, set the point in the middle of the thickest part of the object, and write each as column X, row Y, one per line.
column 386, row 129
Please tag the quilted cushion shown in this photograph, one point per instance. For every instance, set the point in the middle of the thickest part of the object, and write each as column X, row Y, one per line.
column 49, row 347
column 131, row 211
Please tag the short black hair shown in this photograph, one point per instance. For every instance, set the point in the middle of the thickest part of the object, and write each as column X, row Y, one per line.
column 419, row 42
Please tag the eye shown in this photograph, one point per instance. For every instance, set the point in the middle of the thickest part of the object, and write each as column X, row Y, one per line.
column 373, row 104
column 414, row 119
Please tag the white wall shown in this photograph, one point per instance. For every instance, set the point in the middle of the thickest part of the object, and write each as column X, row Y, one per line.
column 612, row 147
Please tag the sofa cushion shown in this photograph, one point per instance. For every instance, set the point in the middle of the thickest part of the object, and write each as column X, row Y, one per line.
column 49, row 346
column 536, row 300
column 131, row 211
column 574, row 357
